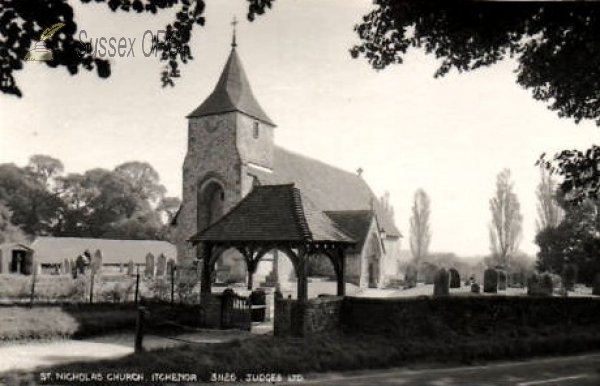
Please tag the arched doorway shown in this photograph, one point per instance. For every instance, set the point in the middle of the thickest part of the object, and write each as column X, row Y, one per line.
column 210, row 207
column 211, row 197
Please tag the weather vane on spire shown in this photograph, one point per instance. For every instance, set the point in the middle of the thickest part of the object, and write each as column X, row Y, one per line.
column 234, row 24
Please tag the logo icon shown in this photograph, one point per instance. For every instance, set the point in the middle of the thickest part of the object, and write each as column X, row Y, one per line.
column 39, row 51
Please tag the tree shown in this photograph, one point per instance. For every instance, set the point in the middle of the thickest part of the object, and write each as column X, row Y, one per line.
column 387, row 204
column 549, row 212
column 575, row 241
column 169, row 207
column 144, row 180
column 420, row 234
column 9, row 232
column 24, row 21
column 505, row 228
column 554, row 43
column 34, row 209
column 44, row 168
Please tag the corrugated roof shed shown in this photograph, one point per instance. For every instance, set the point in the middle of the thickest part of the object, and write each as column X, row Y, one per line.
column 57, row 249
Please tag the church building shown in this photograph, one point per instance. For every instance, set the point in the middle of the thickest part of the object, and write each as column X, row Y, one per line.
column 231, row 149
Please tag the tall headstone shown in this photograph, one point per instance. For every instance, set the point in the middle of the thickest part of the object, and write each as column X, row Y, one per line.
column 161, row 265
column 97, row 262
column 149, row 271
column 410, row 277
column 2, row 270
column 130, row 268
column 490, row 281
column 596, row 285
column 502, row 279
column 428, row 271
column 441, row 285
column 170, row 266
column 454, row 278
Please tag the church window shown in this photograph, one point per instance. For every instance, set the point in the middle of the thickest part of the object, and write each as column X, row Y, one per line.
column 255, row 130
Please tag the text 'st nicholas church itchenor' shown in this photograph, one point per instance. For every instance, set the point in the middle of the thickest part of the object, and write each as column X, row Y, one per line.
column 231, row 149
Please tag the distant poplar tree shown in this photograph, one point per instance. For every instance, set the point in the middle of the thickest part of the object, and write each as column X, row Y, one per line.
column 420, row 233
column 550, row 214
column 506, row 225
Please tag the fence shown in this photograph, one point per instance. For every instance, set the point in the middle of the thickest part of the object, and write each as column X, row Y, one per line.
column 178, row 285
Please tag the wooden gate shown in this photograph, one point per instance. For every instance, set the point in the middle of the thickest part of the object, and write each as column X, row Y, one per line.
column 235, row 311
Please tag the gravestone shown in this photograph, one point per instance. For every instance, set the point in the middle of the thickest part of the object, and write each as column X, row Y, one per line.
column 454, row 278
column 410, row 277
column 596, row 285
column 121, row 267
column 428, row 271
column 490, row 281
column 502, row 279
column 161, row 265
column 441, row 285
column 66, row 267
column 569, row 276
column 130, row 268
column 2, row 270
column 149, row 265
column 170, row 266
column 539, row 285
column 97, row 262
column 475, row 288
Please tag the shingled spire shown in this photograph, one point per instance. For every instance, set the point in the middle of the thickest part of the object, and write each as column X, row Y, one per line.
column 232, row 93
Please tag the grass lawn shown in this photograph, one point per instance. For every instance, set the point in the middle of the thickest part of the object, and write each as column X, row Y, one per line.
column 335, row 352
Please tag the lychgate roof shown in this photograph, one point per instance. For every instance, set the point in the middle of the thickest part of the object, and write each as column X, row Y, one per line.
column 356, row 224
column 232, row 93
column 274, row 213
column 326, row 186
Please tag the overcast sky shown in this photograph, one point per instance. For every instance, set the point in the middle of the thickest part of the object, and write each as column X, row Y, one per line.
column 407, row 130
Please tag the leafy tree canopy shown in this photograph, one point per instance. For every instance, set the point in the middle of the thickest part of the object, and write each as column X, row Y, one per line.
column 22, row 22
column 556, row 44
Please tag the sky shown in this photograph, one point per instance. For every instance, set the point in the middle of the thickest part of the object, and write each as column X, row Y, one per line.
column 405, row 129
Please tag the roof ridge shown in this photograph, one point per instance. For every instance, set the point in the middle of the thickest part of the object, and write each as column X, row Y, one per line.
column 292, row 152
column 299, row 215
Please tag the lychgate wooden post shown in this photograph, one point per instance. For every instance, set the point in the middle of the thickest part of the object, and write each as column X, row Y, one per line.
column 341, row 285
column 205, row 283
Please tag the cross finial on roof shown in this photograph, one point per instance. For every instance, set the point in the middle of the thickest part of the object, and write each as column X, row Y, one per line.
column 359, row 171
column 234, row 24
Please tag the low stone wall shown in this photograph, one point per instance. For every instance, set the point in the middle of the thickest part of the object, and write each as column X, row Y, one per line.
column 316, row 316
column 429, row 317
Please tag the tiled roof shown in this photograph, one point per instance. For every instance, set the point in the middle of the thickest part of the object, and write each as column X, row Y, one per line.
column 57, row 249
column 274, row 213
column 232, row 93
column 328, row 187
column 355, row 223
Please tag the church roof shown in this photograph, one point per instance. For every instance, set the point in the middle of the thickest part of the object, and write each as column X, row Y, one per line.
column 274, row 213
column 328, row 187
column 356, row 223
column 232, row 93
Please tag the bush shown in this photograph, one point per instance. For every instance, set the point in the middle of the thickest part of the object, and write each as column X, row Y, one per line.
column 475, row 288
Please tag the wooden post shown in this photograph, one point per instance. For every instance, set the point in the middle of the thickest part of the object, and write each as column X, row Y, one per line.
column 302, row 277
column 137, row 284
column 139, row 330
column 172, row 284
column 92, row 287
column 32, row 288
column 205, row 284
column 341, row 285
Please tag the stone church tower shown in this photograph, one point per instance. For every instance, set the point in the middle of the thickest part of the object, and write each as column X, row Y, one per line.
column 227, row 133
